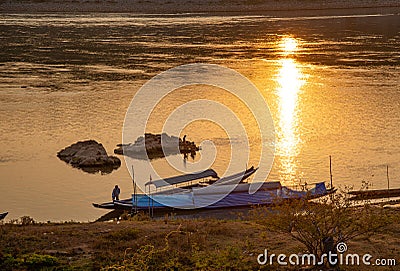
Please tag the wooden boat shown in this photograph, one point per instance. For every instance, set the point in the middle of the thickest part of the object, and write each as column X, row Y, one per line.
column 268, row 194
column 111, row 205
column 374, row 194
column 227, row 192
column 177, row 183
column 3, row 215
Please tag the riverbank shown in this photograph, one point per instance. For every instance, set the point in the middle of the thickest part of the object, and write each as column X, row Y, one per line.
column 188, row 6
column 195, row 244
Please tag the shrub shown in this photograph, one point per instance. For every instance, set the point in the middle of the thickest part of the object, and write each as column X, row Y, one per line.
column 7, row 262
column 124, row 234
column 320, row 226
column 27, row 220
column 35, row 261
column 23, row 220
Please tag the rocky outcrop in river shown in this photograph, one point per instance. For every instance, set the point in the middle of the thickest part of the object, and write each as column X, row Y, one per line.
column 151, row 143
column 89, row 156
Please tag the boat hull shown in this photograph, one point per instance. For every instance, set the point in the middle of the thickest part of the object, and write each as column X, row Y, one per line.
column 237, row 198
column 226, row 192
column 3, row 215
column 374, row 194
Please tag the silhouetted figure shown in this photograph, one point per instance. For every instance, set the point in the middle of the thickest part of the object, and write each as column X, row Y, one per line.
column 184, row 139
column 185, row 157
column 115, row 193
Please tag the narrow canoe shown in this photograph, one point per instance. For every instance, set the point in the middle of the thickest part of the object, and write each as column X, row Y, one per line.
column 374, row 194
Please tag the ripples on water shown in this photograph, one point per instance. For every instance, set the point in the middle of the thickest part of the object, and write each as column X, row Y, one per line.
column 332, row 84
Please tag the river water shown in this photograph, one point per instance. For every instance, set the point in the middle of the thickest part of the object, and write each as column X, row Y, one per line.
column 331, row 83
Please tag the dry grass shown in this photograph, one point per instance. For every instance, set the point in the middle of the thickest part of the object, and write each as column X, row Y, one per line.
column 205, row 244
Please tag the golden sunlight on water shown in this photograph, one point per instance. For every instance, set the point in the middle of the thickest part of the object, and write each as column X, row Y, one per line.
column 290, row 79
column 289, row 45
column 333, row 89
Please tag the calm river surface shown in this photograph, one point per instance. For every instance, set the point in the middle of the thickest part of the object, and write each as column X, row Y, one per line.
column 332, row 84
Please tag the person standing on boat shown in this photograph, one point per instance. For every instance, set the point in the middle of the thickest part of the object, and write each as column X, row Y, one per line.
column 115, row 193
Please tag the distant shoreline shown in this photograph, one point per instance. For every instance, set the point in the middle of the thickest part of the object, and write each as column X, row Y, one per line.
column 269, row 7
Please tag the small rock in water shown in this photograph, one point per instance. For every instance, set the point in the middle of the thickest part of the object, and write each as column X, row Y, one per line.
column 89, row 156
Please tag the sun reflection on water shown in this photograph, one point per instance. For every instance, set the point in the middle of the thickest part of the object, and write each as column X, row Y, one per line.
column 290, row 80
column 289, row 45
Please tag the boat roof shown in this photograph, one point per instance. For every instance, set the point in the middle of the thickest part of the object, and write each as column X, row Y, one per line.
column 184, row 178
column 242, row 175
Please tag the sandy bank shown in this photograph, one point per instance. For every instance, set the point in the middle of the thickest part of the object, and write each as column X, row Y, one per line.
column 191, row 6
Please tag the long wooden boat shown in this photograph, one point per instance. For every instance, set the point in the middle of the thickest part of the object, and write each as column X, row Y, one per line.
column 227, row 192
column 3, row 215
column 112, row 206
column 176, row 184
column 239, row 197
column 374, row 194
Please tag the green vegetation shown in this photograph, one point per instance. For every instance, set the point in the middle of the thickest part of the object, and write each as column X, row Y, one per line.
column 30, row 262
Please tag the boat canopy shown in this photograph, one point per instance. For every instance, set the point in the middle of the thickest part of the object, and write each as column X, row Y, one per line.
column 236, row 178
column 183, row 178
